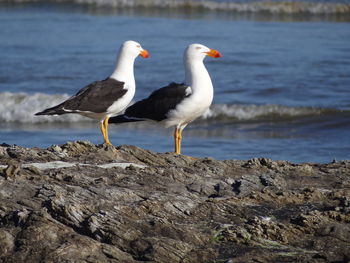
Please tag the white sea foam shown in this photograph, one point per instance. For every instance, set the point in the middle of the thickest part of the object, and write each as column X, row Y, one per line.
column 276, row 7
column 256, row 112
column 21, row 107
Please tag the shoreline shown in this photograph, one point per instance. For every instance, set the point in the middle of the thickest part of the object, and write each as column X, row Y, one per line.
column 93, row 203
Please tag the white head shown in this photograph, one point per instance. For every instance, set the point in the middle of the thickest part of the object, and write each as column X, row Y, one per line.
column 131, row 49
column 199, row 52
column 124, row 69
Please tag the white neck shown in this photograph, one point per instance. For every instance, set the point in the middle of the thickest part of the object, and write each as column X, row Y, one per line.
column 197, row 77
column 124, row 69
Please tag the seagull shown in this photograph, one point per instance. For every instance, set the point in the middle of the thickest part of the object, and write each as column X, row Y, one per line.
column 178, row 104
column 105, row 98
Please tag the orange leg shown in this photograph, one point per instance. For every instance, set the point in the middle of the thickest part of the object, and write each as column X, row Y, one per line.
column 102, row 127
column 104, row 131
column 177, row 140
column 105, row 135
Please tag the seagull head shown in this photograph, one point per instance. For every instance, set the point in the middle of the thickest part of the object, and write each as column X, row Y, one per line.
column 199, row 52
column 133, row 49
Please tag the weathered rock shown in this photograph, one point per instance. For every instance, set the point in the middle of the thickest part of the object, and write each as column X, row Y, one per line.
column 81, row 202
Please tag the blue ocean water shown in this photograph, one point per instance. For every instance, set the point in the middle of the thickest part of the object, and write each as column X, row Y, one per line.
column 282, row 87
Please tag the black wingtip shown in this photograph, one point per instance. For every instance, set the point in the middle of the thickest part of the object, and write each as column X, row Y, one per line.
column 122, row 119
column 45, row 112
column 50, row 112
column 117, row 119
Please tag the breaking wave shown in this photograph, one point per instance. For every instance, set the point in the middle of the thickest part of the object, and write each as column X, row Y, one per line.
column 263, row 112
column 21, row 107
column 258, row 6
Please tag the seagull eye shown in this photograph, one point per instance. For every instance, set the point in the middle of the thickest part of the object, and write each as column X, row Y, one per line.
column 198, row 47
column 138, row 46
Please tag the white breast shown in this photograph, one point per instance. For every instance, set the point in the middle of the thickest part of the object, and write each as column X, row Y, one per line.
column 189, row 109
column 121, row 103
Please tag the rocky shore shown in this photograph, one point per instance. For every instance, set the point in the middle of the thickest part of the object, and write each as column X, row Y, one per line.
column 81, row 202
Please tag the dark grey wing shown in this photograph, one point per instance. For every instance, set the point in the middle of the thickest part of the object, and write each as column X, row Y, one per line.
column 156, row 106
column 96, row 97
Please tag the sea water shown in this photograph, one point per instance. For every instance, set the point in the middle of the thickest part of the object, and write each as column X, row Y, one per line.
column 282, row 87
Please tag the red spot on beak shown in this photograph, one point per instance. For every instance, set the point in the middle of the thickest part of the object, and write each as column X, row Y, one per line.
column 144, row 53
column 214, row 53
